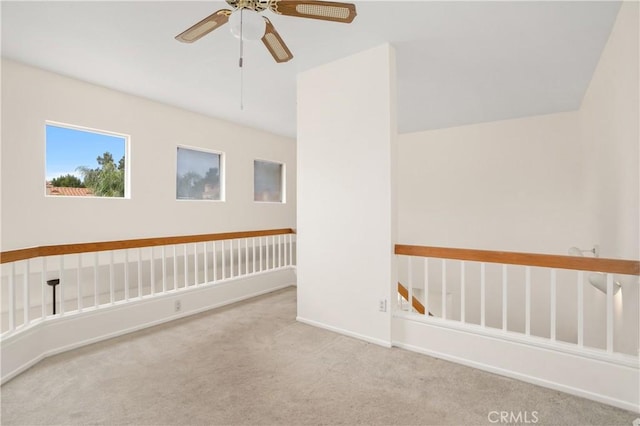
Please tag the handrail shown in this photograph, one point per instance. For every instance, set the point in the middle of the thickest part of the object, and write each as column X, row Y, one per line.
column 614, row 266
column 417, row 305
column 28, row 253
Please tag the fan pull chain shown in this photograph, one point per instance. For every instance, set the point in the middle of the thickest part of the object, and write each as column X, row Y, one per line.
column 240, row 62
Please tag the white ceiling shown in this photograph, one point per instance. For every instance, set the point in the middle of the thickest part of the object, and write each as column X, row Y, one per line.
column 457, row 62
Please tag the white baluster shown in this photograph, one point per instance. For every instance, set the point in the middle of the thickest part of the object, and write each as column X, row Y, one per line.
column 126, row 274
column 43, row 283
column 152, row 271
column 463, row 287
column 444, row 288
column 552, row 308
column 273, row 251
column 482, row 293
column 291, row 249
column 139, row 254
column 164, row 269
column 609, row 313
column 206, row 262
column 231, row 255
column 527, row 299
column 12, row 297
column 61, row 272
column 25, row 293
column 175, row 268
column 96, row 296
column 79, row 279
column 246, row 256
column 504, row 297
column 285, row 248
column 186, row 266
column 253, row 256
column 215, row 261
column 580, row 285
column 224, row 261
column 195, row 264
column 266, row 247
column 410, row 283
column 426, row 286
column 111, row 281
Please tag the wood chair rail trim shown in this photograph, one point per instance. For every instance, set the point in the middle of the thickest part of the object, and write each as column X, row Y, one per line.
column 612, row 266
column 62, row 249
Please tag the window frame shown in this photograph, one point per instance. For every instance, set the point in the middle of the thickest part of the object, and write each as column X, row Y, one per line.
column 283, row 182
column 127, row 158
column 222, row 172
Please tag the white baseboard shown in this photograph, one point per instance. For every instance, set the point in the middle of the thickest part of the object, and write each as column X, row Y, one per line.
column 338, row 330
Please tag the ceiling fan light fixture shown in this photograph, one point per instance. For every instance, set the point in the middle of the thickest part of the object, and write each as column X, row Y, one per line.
column 253, row 24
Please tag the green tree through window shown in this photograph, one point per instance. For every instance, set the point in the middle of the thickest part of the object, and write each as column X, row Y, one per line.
column 81, row 158
column 107, row 180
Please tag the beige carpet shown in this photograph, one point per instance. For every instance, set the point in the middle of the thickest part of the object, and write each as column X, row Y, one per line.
column 252, row 363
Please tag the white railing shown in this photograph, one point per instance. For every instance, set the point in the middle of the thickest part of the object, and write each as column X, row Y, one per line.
column 560, row 302
column 99, row 275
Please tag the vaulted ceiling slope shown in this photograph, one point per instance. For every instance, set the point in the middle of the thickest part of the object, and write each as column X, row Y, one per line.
column 457, row 62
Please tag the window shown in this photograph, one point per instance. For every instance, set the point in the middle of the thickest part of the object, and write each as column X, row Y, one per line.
column 268, row 181
column 199, row 175
column 85, row 163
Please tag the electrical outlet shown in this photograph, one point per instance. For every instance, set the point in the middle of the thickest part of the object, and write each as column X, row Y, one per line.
column 382, row 305
column 178, row 306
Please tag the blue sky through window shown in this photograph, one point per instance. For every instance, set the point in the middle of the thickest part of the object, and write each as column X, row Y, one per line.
column 67, row 149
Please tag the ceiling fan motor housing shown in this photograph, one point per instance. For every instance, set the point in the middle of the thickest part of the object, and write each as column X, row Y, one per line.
column 255, row 5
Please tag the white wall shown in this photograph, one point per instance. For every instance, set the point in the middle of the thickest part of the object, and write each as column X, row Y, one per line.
column 537, row 184
column 346, row 219
column 30, row 96
column 610, row 137
column 508, row 185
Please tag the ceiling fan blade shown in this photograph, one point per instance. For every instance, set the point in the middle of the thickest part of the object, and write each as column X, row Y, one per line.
column 205, row 26
column 275, row 44
column 325, row 10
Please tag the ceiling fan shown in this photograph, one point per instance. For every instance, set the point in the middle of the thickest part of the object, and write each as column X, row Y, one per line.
column 324, row 10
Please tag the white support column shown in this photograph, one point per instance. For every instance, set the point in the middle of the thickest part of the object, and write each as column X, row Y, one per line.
column 346, row 154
